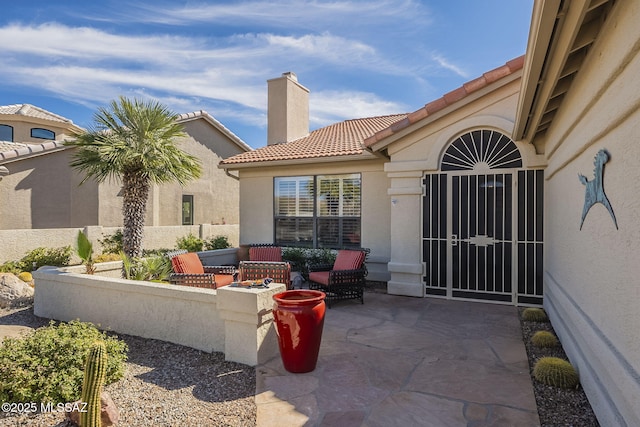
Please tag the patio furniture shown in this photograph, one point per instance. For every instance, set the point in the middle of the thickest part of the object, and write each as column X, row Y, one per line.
column 280, row 272
column 344, row 279
column 265, row 253
column 189, row 271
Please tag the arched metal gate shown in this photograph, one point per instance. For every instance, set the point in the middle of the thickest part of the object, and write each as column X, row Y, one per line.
column 483, row 223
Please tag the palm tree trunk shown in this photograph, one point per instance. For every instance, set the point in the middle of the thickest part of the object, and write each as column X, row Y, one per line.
column 134, row 207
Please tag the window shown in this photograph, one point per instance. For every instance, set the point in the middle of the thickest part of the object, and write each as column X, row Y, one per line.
column 6, row 133
column 42, row 133
column 187, row 209
column 318, row 211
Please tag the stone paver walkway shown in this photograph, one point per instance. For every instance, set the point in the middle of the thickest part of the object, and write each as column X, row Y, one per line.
column 401, row 361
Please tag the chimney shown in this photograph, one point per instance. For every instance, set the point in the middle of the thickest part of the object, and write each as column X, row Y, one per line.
column 287, row 110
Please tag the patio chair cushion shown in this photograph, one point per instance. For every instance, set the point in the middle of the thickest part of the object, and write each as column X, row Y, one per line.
column 348, row 260
column 187, row 263
column 321, row 277
column 265, row 253
column 223, row 280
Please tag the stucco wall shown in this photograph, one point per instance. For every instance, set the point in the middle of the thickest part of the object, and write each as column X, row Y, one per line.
column 592, row 279
column 16, row 243
column 256, row 209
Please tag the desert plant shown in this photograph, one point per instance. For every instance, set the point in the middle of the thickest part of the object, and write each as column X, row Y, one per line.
column 544, row 339
column 217, row 242
column 107, row 257
column 556, row 372
column 190, row 242
column 84, row 249
column 47, row 365
column 136, row 142
column 25, row 276
column 38, row 257
column 112, row 243
column 156, row 268
column 95, row 372
column 533, row 314
column 11, row 267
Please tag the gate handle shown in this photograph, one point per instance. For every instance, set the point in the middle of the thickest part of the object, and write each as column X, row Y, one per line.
column 454, row 240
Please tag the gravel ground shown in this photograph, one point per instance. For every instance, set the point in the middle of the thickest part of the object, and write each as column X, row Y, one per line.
column 164, row 385
column 556, row 406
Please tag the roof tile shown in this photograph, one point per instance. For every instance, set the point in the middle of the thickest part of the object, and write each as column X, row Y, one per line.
column 340, row 139
column 29, row 110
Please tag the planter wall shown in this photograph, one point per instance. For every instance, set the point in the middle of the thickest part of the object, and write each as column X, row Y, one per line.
column 238, row 322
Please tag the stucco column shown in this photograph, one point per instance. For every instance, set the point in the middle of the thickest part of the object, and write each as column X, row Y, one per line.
column 249, row 331
column 406, row 245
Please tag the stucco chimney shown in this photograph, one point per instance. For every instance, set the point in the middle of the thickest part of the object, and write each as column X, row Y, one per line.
column 288, row 109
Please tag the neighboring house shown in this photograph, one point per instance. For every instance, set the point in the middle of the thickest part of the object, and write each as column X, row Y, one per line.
column 40, row 190
column 478, row 194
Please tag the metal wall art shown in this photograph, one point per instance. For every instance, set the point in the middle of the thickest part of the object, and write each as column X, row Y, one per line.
column 594, row 191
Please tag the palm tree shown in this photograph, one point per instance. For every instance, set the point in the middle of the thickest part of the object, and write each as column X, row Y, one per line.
column 134, row 141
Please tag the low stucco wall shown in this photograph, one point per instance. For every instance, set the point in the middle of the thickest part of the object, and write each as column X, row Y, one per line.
column 16, row 243
column 238, row 322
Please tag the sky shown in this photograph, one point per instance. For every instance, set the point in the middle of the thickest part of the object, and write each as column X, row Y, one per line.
column 358, row 58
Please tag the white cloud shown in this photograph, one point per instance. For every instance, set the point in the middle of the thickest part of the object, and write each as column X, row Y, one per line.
column 446, row 64
column 330, row 106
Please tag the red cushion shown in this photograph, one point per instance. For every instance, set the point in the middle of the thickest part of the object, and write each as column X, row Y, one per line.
column 265, row 253
column 321, row 277
column 348, row 260
column 223, row 280
column 187, row 263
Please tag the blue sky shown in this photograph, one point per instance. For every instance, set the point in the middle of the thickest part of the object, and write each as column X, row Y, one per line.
column 358, row 58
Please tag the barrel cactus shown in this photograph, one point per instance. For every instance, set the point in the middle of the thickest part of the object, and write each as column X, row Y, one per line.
column 556, row 372
column 544, row 339
column 95, row 372
column 534, row 315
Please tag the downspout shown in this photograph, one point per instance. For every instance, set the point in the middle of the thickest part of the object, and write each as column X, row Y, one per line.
column 237, row 178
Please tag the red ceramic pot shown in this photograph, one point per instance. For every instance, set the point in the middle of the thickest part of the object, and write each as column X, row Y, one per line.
column 299, row 316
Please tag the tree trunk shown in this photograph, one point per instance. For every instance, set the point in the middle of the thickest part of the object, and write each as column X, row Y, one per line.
column 135, row 189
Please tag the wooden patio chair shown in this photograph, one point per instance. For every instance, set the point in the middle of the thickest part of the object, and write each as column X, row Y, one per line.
column 345, row 279
column 189, row 271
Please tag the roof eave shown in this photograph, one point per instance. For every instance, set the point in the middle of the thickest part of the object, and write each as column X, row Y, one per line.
column 365, row 155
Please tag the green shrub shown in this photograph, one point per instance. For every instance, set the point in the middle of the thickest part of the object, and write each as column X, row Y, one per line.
column 544, row 339
column 47, row 365
column 156, row 268
column 534, row 315
column 38, row 257
column 556, row 372
column 217, row 242
column 11, row 267
column 107, row 257
column 112, row 243
column 191, row 243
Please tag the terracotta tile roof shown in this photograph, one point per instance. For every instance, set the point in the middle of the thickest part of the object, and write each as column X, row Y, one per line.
column 340, row 139
column 29, row 110
column 10, row 151
column 449, row 99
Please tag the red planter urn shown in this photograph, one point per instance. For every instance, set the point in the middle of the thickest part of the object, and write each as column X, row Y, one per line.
column 299, row 316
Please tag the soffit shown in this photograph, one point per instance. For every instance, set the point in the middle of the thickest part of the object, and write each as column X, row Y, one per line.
column 562, row 33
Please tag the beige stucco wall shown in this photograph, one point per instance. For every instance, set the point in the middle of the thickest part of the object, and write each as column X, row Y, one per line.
column 592, row 278
column 22, row 126
column 417, row 151
column 256, row 209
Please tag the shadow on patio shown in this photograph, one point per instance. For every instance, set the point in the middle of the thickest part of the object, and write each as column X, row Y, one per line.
column 406, row 361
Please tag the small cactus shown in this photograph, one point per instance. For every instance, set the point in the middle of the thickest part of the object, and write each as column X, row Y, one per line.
column 534, row 315
column 544, row 339
column 556, row 372
column 25, row 276
column 95, row 372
